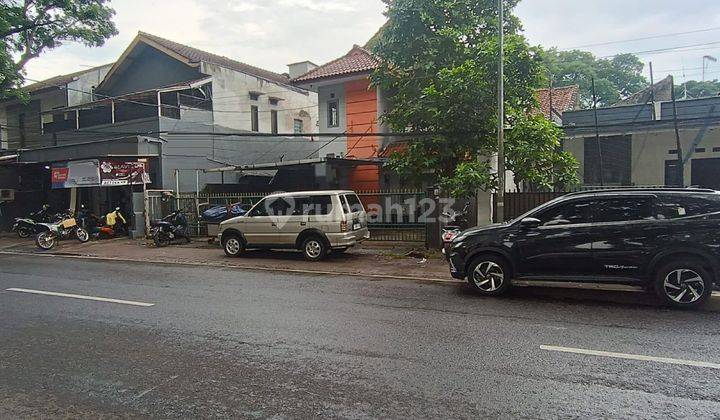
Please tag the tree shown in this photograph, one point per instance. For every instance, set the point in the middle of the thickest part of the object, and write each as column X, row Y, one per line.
column 29, row 27
column 439, row 65
column 696, row 89
column 615, row 78
column 535, row 156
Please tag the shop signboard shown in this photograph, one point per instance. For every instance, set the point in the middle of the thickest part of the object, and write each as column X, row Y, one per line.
column 99, row 173
column 82, row 173
column 115, row 173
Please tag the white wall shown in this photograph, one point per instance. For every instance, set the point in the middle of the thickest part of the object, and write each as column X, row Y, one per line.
column 79, row 89
column 231, row 101
column 650, row 151
column 326, row 94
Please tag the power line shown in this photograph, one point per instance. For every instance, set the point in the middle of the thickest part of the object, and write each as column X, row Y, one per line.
column 664, row 50
column 600, row 44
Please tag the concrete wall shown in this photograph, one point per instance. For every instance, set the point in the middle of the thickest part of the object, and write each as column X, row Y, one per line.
column 650, row 151
column 231, row 101
column 79, row 90
column 188, row 153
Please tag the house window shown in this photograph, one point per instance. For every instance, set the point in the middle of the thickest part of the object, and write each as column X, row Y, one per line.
column 608, row 162
column 716, row 149
column 700, row 150
column 298, row 126
column 333, row 114
column 274, row 121
column 254, row 118
column 254, row 96
column 672, row 152
column 274, row 101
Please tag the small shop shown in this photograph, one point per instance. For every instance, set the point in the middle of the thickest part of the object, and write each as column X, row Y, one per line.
column 103, row 185
column 102, row 176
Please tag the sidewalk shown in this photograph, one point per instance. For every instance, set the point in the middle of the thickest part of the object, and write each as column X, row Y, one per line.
column 362, row 261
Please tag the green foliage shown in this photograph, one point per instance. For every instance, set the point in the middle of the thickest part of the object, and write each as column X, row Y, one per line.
column 439, row 69
column 29, row 27
column 696, row 89
column 615, row 79
column 535, row 155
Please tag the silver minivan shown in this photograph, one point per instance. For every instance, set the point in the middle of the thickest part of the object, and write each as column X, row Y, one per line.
column 316, row 223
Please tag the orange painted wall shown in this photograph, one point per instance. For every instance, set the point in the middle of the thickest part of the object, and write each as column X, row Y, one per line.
column 361, row 113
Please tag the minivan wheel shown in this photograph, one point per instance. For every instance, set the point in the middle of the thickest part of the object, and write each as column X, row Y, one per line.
column 314, row 248
column 233, row 245
column 489, row 275
column 683, row 284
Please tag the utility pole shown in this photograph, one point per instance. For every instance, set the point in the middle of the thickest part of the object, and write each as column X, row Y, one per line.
column 680, row 176
column 652, row 92
column 501, row 117
column 597, row 134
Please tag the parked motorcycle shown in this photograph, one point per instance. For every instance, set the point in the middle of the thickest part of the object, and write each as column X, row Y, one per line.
column 102, row 229
column 456, row 223
column 65, row 228
column 26, row 226
column 171, row 228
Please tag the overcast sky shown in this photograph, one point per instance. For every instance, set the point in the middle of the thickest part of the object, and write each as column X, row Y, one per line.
column 272, row 33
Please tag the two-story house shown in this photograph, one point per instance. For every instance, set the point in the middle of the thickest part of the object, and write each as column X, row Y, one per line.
column 163, row 108
column 350, row 107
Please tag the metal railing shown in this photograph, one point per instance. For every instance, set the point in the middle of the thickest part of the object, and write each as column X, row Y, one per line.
column 393, row 215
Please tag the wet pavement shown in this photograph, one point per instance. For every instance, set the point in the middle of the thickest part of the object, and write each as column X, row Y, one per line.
column 221, row 342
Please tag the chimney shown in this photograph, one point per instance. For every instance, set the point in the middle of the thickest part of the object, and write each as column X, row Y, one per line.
column 298, row 69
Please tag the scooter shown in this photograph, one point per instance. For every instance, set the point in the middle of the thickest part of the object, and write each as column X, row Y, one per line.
column 24, row 227
column 97, row 227
column 171, row 228
column 66, row 228
column 456, row 223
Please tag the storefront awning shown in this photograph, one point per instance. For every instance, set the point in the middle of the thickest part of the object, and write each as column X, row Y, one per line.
column 122, row 147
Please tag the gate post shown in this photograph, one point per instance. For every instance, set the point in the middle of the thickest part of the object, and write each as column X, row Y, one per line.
column 433, row 239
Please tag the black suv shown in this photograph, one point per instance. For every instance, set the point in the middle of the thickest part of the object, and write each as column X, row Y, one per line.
column 666, row 240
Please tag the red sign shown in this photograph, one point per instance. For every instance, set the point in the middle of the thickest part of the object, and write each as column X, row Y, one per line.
column 60, row 175
column 115, row 172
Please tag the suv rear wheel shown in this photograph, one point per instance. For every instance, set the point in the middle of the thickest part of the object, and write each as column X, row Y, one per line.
column 233, row 245
column 314, row 248
column 489, row 275
column 684, row 284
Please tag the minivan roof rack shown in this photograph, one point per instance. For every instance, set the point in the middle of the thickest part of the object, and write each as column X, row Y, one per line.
column 640, row 189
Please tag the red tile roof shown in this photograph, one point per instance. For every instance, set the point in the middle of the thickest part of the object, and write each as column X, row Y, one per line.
column 358, row 60
column 196, row 55
column 563, row 99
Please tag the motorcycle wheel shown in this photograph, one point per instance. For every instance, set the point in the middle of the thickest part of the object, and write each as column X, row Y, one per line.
column 45, row 240
column 24, row 232
column 161, row 240
column 82, row 235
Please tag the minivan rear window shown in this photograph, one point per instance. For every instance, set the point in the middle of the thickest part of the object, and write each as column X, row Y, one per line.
column 352, row 204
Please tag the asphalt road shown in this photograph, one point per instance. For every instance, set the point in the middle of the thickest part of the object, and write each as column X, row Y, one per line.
column 231, row 343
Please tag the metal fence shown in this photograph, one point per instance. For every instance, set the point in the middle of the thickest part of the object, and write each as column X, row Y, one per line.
column 396, row 215
column 393, row 215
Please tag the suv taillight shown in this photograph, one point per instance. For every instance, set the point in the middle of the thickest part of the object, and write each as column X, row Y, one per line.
column 344, row 226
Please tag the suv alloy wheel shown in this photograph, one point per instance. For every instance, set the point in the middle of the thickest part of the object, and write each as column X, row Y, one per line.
column 684, row 284
column 314, row 248
column 489, row 275
column 233, row 245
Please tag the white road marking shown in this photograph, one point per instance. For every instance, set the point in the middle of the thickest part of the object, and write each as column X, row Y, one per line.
column 632, row 357
column 716, row 294
column 95, row 298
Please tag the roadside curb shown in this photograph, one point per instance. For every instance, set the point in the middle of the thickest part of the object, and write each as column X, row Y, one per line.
column 235, row 266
